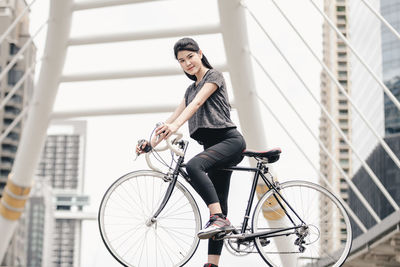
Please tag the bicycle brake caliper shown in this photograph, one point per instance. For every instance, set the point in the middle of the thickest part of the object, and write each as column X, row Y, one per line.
column 168, row 177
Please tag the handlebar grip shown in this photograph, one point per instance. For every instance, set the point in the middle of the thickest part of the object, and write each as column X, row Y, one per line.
column 171, row 146
column 168, row 145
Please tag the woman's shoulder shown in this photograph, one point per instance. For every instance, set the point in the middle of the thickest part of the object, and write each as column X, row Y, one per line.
column 214, row 75
column 214, row 72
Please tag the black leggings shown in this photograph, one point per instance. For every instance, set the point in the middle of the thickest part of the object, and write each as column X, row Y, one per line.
column 222, row 149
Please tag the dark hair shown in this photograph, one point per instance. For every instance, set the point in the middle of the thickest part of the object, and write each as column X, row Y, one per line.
column 189, row 44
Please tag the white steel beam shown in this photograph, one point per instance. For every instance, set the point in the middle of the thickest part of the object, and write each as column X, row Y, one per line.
column 145, row 35
column 15, row 22
column 75, row 215
column 323, row 177
column 15, row 88
column 382, row 19
column 18, row 56
column 34, row 132
column 105, row 3
column 333, row 123
column 331, row 157
column 13, row 124
column 333, row 26
column 341, row 88
column 234, row 32
column 140, row 73
column 113, row 111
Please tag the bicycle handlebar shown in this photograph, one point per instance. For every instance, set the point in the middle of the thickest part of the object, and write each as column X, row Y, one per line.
column 168, row 145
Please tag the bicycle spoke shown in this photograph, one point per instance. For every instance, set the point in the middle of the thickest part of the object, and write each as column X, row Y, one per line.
column 170, row 241
column 305, row 199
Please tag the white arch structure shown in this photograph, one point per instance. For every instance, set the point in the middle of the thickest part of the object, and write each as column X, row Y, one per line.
column 239, row 64
column 40, row 110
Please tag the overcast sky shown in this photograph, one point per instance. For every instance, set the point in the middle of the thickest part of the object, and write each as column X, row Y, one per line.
column 111, row 139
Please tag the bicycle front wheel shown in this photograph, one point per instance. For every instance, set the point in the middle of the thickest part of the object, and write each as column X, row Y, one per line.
column 323, row 236
column 124, row 215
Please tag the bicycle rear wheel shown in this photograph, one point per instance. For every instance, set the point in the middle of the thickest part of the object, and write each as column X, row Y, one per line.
column 324, row 238
column 124, row 214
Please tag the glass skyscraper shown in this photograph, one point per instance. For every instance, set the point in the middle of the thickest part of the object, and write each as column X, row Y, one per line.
column 390, row 10
column 379, row 161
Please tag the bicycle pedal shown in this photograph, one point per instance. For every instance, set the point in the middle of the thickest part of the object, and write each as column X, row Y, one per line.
column 219, row 236
column 264, row 242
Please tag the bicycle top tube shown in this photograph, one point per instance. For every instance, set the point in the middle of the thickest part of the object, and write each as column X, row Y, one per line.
column 269, row 156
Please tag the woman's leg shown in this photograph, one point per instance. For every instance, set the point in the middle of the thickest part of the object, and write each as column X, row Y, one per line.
column 221, row 181
column 215, row 191
column 226, row 153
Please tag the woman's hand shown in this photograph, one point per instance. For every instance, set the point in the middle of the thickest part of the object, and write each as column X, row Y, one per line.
column 142, row 147
column 166, row 130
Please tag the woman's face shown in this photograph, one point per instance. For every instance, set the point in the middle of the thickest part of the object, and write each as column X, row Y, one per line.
column 190, row 61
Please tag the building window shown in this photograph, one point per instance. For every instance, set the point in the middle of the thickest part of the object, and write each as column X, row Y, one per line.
column 13, row 49
column 340, row 8
column 14, row 76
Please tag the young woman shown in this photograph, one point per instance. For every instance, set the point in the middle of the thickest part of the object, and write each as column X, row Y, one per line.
column 206, row 107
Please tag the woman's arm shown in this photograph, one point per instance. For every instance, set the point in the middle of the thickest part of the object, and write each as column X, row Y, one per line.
column 177, row 112
column 168, row 129
column 156, row 140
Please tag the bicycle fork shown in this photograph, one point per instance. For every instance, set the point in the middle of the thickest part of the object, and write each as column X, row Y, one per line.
column 167, row 195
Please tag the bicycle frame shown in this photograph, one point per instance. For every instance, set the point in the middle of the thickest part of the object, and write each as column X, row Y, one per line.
column 259, row 171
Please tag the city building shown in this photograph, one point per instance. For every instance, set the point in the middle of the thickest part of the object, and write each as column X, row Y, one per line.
column 62, row 163
column 390, row 10
column 365, row 37
column 389, row 126
column 14, row 97
column 379, row 49
column 39, row 210
column 385, row 168
column 336, row 58
column 15, row 93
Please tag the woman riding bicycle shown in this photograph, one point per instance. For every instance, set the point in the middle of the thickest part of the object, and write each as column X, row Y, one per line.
column 206, row 108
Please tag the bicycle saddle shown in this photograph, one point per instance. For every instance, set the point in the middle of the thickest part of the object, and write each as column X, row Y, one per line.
column 271, row 155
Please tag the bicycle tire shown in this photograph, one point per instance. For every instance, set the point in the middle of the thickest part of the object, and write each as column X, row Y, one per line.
column 126, row 207
column 322, row 245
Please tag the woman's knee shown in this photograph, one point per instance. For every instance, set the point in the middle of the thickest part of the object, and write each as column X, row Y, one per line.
column 193, row 166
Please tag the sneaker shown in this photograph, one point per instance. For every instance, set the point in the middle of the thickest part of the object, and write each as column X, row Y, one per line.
column 210, row 265
column 214, row 226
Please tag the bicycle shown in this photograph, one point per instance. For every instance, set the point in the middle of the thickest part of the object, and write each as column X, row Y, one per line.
column 149, row 218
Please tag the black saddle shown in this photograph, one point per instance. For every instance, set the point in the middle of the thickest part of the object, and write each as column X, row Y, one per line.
column 270, row 156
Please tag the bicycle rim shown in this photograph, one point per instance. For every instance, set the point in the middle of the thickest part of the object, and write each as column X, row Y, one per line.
column 326, row 237
column 126, row 208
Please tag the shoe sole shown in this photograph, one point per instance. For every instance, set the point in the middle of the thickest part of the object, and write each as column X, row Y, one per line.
column 208, row 235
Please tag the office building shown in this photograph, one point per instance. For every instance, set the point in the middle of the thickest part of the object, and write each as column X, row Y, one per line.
column 15, row 95
column 366, row 93
column 390, row 10
column 336, row 57
column 40, row 215
column 62, row 163
column 378, row 159
column 385, row 168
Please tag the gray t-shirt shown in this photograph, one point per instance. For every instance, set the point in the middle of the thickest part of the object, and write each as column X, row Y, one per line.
column 215, row 112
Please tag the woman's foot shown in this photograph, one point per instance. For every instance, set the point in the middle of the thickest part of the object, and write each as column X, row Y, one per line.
column 210, row 265
column 215, row 225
